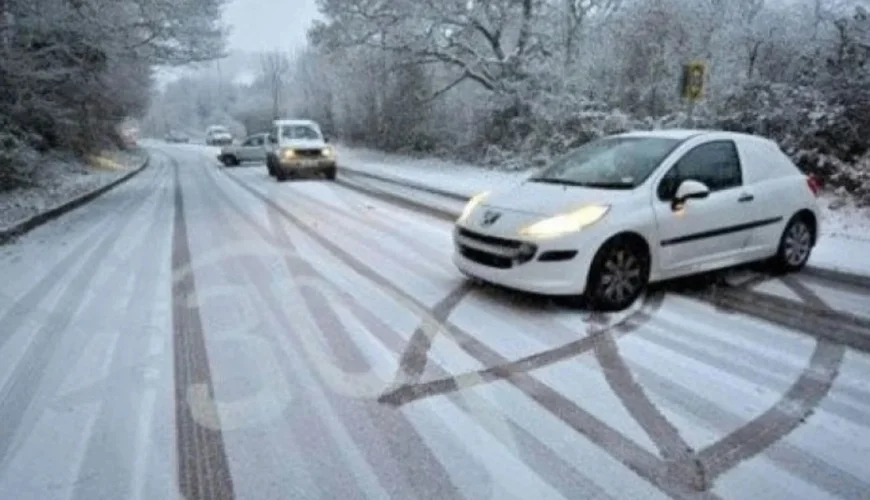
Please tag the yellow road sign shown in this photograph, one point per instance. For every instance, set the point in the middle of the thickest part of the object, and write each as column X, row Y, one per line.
column 694, row 75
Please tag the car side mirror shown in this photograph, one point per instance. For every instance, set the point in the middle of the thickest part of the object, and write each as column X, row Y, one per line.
column 272, row 139
column 325, row 139
column 688, row 190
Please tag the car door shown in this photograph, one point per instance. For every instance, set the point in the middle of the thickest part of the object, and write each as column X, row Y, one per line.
column 258, row 148
column 247, row 149
column 702, row 234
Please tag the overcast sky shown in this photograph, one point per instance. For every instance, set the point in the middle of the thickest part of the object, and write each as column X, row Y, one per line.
column 268, row 24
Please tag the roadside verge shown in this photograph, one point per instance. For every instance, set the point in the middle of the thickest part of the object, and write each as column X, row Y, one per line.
column 23, row 226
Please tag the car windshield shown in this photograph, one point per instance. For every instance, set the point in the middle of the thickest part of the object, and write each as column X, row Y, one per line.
column 610, row 163
column 218, row 130
column 299, row 132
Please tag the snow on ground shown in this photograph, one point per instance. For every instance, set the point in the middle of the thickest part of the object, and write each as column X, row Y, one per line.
column 844, row 244
column 48, row 181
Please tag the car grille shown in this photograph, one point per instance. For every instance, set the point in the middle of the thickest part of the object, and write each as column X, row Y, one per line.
column 309, row 153
column 492, row 251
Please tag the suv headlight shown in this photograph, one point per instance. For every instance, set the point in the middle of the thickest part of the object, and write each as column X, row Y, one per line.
column 328, row 152
column 288, row 154
column 472, row 204
column 566, row 223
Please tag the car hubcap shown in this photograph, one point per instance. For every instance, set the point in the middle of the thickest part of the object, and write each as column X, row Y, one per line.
column 621, row 277
column 797, row 244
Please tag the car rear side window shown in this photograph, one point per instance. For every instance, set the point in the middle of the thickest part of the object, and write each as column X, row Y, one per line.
column 715, row 163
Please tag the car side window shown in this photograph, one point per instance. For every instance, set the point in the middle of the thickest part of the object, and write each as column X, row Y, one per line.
column 716, row 164
column 250, row 141
column 259, row 140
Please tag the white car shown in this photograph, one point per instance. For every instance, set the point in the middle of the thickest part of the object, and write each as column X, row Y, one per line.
column 298, row 147
column 253, row 148
column 630, row 209
column 217, row 135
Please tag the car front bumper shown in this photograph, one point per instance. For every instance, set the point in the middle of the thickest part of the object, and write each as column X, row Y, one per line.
column 302, row 165
column 558, row 266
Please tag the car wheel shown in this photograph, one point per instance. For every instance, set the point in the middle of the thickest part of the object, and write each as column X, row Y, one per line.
column 795, row 245
column 330, row 174
column 230, row 160
column 619, row 274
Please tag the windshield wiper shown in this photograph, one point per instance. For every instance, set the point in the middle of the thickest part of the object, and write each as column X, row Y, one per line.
column 610, row 185
column 552, row 180
column 567, row 182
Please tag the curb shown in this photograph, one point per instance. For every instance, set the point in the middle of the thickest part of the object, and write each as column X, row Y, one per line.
column 17, row 229
column 838, row 276
column 408, row 184
column 437, row 212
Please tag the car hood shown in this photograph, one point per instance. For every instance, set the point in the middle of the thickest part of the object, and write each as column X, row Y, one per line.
column 536, row 198
column 303, row 144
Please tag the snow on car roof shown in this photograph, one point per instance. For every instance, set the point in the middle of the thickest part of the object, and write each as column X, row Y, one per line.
column 294, row 122
column 683, row 134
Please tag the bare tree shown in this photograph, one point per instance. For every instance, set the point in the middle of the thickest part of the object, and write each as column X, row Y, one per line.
column 275, row 67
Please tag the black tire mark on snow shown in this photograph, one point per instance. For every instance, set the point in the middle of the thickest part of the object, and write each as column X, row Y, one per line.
column 666, row 437
column 405, row 452
column 411, row 392
column 792, row 410
column 806, row 294
column 203, row 468
column 643, row 463
column 701, row 472
column 21, row 388
column 799, row 401
column 786, row 456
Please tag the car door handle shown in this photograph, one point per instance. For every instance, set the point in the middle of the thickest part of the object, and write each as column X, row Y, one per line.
column 745, row 198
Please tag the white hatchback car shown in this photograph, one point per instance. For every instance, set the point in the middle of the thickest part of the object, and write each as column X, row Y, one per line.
column 629, row 209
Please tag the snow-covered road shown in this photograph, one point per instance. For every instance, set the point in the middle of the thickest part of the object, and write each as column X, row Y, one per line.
column 211, row 333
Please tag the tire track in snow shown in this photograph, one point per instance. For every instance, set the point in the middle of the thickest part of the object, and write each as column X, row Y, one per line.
column 21, row 388
column 795, row 405
column 398, row 448
column 202, row 465
column 542, row 458
column 646, row 465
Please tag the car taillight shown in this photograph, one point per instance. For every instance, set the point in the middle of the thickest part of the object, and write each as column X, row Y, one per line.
column 815, row 184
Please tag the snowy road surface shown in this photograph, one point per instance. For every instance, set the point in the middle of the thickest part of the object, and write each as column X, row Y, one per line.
column 208, row 333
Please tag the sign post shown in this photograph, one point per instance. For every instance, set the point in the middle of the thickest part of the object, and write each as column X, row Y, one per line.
column 692, row 84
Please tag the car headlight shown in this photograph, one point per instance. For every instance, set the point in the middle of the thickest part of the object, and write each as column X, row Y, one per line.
column 288, row 154
column 328, row 152
column 472, row 204
column 565, row 223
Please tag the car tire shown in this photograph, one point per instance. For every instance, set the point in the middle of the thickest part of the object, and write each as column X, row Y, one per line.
column 230, row 160
column 330, row 173
column 795, row 245
column 619, row 274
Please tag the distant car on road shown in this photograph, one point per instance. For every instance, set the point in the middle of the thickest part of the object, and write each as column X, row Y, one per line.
column 176, row 137
column 298, row 147
column 253, row 148
column 218, row 135
column 630, row 209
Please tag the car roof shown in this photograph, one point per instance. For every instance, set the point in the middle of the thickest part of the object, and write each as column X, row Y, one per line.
column 294, row 122
column 684, row 134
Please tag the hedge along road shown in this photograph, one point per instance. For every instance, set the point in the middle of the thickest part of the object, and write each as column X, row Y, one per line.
column 213, row 334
